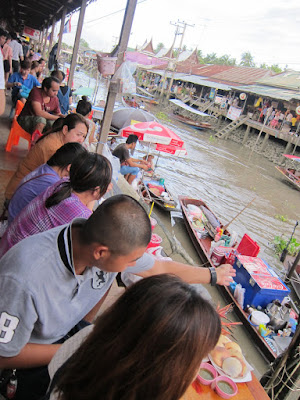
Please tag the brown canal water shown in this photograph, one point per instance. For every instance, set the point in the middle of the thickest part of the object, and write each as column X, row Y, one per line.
column 223, row 174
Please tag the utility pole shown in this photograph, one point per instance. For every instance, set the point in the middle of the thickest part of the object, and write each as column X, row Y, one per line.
column 166, row 70
column 115, row 83
column 180, row 26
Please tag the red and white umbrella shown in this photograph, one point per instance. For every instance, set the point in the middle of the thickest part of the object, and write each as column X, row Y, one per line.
column 292, row 157
column 152, row 132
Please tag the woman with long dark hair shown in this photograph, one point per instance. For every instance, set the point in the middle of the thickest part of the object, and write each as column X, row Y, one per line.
column 73, row 128
column 84, row 107
column 90, row 176
column 147, row 346
column 56, row 168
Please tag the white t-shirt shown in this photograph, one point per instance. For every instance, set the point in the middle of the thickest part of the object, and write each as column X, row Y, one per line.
column 17, row 50
column 2, row 82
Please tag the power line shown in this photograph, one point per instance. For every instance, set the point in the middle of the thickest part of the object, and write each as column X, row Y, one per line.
column 114, row 12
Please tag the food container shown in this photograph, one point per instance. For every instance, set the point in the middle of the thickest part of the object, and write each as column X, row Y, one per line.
column 259, row 318
column 155, row 241
column 217, row 256
column 153, row 222
column 224, row 387
column 207, row 374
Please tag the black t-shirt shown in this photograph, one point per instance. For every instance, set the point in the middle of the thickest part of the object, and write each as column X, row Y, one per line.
column 121, row 152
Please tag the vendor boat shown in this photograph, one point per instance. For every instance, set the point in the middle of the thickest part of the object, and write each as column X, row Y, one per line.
column 190, row 115
column 190, row 122
column 203, row 245
column 290, row 175
column 152, row 191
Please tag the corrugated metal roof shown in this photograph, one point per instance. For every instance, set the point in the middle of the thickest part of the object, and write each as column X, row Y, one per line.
column 243, row 75
column 197, row 80
column 287, row 79
column 274, row 93
column 161, row 52
column 185, row 55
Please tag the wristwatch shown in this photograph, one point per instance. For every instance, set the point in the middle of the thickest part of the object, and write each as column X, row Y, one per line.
column 213, row 274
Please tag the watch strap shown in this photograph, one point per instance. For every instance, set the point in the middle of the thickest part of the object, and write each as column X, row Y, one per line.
column 213, row 276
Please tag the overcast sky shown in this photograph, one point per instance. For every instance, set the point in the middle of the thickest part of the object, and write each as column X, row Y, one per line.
column 268, row 29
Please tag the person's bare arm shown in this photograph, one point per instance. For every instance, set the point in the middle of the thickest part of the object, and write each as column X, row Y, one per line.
column 70, row 100
column 2, row 101
column 90, row 316
column 12, row 84
column 92, row 134
column 32, row 355
column 132, row 162
column 37, row 108
column 189, row 273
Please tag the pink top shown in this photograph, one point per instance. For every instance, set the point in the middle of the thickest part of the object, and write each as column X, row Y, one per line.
column 7, row 52
column 36, row 218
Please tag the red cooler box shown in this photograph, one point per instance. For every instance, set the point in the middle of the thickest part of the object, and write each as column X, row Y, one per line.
column 260, row 281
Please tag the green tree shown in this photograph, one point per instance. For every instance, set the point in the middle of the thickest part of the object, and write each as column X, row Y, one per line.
column 211, row 58
column 247, row 60
column 65, row 46
column 275, row 68
column 200, row 56
column 159, row 47
column 226, row 60
column 264, row 66
column 84, row 44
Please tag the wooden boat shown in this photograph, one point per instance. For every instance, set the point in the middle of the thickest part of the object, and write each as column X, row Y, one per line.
column 150, row 195
column 290, row 175
column 191, row 114
column 295, row 278
column 191, row 123
column 202, row 246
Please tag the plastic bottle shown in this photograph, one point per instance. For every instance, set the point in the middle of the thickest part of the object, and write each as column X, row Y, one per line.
column 11, row 387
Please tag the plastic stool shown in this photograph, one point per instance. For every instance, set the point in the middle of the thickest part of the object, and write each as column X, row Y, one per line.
column 16, row 132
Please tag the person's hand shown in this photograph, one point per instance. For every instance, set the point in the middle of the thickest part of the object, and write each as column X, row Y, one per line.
column 225, row 274
column 17, row 84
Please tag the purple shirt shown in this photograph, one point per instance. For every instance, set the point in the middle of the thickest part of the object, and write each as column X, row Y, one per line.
column 31, row 185
column 36, row 218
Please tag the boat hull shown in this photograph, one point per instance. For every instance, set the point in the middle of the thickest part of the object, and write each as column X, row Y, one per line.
column 290, row 177
column 150, row 197
column 202, row 247
column 191, row 123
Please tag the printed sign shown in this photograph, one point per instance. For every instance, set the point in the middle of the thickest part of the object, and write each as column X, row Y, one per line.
column 265, row 282
column 32, row 33
column 233, row 113
column 212, row 93
column 254, row 265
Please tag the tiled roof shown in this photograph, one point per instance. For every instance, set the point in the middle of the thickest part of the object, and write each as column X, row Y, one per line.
column 242, row 75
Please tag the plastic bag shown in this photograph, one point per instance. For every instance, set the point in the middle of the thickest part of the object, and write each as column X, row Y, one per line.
column 24, row 92
column 239, row 294
column 125, row 73
column 115, row 162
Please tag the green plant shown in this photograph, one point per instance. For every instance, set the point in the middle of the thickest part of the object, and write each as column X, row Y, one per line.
column 163, row 116
column 281, row 217
column 212, row 138
column 280, row 244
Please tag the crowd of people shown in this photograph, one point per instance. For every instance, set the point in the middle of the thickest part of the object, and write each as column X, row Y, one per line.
column 63, row 248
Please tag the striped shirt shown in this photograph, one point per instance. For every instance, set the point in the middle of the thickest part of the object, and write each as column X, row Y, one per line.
column 36, row 218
